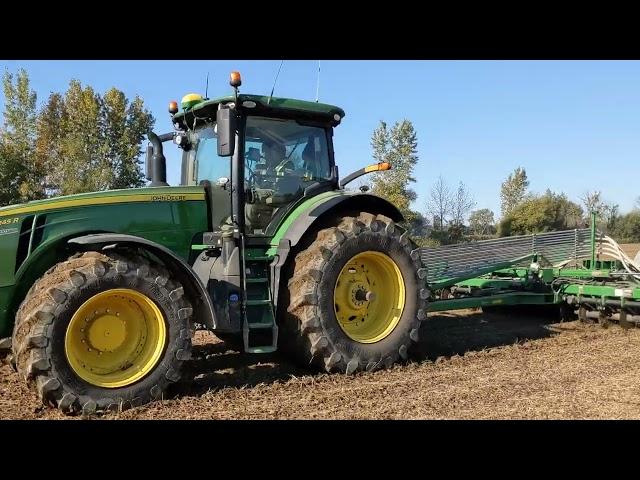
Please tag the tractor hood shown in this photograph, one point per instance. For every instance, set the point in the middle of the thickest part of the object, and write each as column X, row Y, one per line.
column 34, row 235
column 133, row 195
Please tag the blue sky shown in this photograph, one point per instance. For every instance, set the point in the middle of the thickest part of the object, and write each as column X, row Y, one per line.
column 574, row 125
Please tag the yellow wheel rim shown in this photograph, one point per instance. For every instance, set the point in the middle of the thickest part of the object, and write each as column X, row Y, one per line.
column 369, row 297
column 115, row 338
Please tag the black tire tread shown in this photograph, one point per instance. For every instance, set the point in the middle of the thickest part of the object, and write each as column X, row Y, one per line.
column 303, row 334
column 37, row 313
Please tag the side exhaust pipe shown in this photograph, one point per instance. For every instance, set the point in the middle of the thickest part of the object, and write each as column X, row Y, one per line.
column 156, row 163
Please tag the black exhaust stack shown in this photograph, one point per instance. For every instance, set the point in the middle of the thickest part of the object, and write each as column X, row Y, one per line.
column 156, row 162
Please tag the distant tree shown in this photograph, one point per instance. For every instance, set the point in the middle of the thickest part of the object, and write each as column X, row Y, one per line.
column 440, row 203
column 49, row 141
column 545, row 213
column 20, row 173
column 79, row 141
column 593, row 202
column 610, row 215
column 94, row 141
column 481, row 221
column 627, row 228
column 461, row 204
column 513, row 190
column 606, row 213
column 85, row 166
column 638, row 202
column 125, row 125
column 397, row 146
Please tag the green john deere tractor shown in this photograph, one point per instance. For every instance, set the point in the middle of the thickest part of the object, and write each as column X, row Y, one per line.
column 101, row 293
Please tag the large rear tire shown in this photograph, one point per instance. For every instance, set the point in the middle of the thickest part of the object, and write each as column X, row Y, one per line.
column 102, row 332
column 354, row 300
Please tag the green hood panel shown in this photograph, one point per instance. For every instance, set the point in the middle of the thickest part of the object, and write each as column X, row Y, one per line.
column 33, row 236
column 169, row 216
column 149, row 194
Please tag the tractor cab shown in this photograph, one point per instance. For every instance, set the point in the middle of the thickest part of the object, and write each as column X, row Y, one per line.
column 278, row 150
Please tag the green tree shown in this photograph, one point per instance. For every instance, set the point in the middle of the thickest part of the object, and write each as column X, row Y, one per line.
column 627, row 228
column 545, row 213
column 10, row 173
column 397, row 146
column 20, row 173
column 513, row 190
column 49, row 140
column 125, row 126
column 95, row 141
column 79, row 141
column 481, row 221
column 85, row 166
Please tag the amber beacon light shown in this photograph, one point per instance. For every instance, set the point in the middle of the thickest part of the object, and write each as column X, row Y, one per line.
column 235, row 80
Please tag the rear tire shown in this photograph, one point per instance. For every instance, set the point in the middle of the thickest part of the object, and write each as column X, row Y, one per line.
column 131, row 358
column 316, row 332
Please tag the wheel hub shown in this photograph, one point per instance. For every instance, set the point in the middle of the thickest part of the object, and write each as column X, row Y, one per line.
column 358, row 295
column 369, row 297
column 115, row 338
column 106, row 332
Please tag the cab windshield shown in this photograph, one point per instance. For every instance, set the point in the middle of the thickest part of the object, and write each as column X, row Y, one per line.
column 282, row 159
column 285, row 147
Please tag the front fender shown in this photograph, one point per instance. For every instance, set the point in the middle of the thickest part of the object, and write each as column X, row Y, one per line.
column 182, row 270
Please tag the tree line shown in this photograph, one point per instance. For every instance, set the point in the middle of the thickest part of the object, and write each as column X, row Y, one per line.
column 77, row 141
column 449, row 214
column 82, row 141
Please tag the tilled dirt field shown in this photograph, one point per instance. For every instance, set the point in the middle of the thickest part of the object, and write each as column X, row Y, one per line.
column 469, row 366
column 631, row 249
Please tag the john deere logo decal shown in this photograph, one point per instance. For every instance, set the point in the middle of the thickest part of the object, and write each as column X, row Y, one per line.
column 168, row 198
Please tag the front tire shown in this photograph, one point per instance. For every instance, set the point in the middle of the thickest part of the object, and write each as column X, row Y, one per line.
column 103, row 332
column 355, row 300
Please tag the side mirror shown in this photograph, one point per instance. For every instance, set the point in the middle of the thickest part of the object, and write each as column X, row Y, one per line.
column 226, row 127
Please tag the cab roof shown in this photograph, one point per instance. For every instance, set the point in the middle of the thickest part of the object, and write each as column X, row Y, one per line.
column 281, row 107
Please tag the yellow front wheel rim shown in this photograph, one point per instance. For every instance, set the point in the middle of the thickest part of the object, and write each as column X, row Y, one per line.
column 369, row 297
column 115, row 338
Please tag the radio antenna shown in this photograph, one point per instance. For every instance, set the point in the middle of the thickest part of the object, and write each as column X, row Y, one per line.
column 318, row 84
column 206, row 89
column 274, row 82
